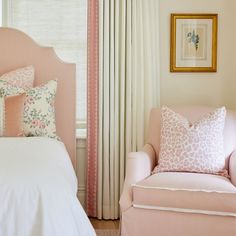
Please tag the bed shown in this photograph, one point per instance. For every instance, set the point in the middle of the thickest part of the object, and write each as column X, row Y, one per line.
column 38, row 184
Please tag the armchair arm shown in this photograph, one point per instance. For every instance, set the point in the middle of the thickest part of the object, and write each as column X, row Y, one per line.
column 232, row 168
column 139, row 165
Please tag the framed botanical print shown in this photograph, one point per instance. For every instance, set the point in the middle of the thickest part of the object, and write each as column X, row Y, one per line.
column 193, row 43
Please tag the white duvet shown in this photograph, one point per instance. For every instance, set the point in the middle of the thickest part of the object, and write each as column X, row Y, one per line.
column 38, row 190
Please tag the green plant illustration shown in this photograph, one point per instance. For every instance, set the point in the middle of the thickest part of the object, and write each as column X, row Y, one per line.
column 194, row 38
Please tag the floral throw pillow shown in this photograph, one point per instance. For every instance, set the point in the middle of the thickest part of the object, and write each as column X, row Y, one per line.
column 21, row 78
column 6, row 89
column 196, row 147
column 39, row 115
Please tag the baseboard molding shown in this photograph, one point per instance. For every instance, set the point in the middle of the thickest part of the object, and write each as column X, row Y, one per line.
column 107, row 232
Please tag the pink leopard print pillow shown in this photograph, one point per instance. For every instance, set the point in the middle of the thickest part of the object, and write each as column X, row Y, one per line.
column 196, row 147
column 21, row 78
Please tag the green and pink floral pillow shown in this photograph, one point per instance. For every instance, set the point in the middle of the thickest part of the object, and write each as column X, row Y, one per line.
column 39, row 115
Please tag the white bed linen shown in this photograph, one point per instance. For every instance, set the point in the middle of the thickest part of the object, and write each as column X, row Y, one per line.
column 38, row 190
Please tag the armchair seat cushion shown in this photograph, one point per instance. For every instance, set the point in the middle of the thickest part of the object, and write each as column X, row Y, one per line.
column 186, row 192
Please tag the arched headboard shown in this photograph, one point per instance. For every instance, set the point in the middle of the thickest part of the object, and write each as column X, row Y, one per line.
column 19, row 50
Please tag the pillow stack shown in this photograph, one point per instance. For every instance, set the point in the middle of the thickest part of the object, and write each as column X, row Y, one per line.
column 25, row 110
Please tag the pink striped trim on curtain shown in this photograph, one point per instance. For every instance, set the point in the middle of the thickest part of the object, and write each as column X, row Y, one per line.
column 92, row 99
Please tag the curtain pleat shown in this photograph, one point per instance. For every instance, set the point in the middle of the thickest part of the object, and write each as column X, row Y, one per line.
column 128, row 88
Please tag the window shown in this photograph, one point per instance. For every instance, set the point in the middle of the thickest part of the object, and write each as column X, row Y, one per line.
column 60, row 24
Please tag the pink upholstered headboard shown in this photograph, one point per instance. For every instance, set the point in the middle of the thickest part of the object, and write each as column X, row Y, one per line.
column 19, row 50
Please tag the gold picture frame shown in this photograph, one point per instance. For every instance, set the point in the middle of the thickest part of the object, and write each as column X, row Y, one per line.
column 193, row 42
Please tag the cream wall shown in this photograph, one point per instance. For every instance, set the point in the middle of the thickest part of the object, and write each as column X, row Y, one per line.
column 201, row 88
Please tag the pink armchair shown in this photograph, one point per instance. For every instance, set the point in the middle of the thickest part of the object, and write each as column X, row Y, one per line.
column 178, row 204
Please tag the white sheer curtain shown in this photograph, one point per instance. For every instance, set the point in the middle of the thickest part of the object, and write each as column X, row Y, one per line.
column 128, row 89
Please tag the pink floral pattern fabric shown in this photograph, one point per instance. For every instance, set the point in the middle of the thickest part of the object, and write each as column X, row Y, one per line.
column 21, row 78
column 39, row 115
column 196, row 147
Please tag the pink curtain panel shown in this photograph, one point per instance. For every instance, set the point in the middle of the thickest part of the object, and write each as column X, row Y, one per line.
column 92, row 116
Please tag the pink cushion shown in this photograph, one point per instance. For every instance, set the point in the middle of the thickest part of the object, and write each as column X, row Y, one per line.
column 195, row 192
column 196, row 147
column 22, row 78
column 11, row 118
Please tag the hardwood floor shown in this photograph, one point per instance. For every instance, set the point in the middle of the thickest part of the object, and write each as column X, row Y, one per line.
column 104, row 224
